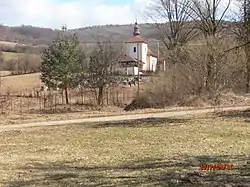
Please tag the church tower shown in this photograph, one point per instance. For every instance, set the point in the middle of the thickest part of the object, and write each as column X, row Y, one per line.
column 137, row 49
column 136, row 46
column 136, row 29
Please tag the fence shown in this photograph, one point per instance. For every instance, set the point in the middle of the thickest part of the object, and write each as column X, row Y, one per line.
column 54, row 101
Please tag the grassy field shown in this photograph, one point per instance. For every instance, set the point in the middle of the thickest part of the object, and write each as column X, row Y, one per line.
column 5, row 73
column 8, row 43
column 21, row 83
column 151, row 152
column 13, row 56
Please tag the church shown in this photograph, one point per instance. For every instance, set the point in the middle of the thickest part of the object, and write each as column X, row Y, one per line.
column 137, row 52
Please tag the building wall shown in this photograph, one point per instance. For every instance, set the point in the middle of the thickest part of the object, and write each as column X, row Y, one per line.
column 147, row 68
column 153, row 63
column 143, row 49
column 129, row 70
column 130, row 49
column 144, row 52
column 135, row 70
column 150, row 62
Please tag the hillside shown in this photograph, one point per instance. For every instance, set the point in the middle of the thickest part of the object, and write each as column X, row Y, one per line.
column 40, row 36
column 29, row 39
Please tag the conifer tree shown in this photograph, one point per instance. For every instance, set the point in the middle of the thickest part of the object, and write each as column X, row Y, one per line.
column 61, row 63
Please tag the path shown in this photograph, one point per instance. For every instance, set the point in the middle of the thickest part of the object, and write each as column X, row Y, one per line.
column 117, row 118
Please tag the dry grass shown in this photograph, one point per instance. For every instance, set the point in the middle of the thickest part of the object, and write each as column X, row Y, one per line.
column 8, row 43
column 14, row 56
column 20, row 118
column 151, row 152
column 21, row 83
column 5, row 73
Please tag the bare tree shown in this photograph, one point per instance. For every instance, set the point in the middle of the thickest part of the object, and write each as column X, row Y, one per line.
column 208, row 16
column 241, row 29
column 102, row 68
column 35, row 63
column 172, row 22
column 25, row 64
column 11, row 65
column 173, row 27
column 244, row 36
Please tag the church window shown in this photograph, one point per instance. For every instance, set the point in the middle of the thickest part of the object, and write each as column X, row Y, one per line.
column 134, row 49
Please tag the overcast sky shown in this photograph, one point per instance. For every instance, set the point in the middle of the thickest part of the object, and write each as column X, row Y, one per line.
column 73, row 13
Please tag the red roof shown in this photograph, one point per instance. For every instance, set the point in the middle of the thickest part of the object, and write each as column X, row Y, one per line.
column 136, row 39
column 127, row 58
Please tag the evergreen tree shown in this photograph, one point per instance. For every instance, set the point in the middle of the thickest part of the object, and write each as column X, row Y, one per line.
column 62, row 62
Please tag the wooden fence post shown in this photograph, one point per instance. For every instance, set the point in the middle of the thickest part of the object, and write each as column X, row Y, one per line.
column 107, row 96
column 55, row 102
column 10, row 103
column 21, row 107
column 123, row 96
column 117, row 97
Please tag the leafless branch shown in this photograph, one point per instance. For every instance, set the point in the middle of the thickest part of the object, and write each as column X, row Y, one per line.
column 171, row 22
column 207, row 15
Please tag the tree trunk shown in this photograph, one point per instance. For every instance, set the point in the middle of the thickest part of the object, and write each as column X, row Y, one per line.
column 176, row 53
column 247, row 74
column 209, row 74
column 100, row 96
column 66, row 95
column 210, row 63
column 174, row 78
column 247, row 81
column 247, row 70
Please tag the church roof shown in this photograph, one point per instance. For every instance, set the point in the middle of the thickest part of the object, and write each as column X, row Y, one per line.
column 127, row 58
column 136, row 39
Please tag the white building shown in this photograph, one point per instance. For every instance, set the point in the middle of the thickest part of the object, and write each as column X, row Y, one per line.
column 137, row 48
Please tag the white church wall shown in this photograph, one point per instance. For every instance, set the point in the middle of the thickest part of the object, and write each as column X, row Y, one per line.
column 144, row 52
column 153, row 63
column 136, row 70
column 128, row 70
column 130, row 49
column 143, row 49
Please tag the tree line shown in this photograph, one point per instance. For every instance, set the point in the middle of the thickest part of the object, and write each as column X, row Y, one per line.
column 66, row 64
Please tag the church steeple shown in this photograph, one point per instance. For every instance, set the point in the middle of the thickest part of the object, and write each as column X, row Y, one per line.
column 136, row 29
column 136, row 38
